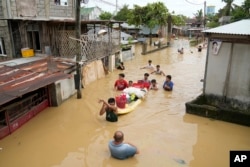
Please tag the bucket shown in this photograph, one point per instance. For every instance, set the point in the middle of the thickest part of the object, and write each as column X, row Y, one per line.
column 121, row 101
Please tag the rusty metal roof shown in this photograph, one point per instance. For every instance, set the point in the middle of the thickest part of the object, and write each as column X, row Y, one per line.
column 16, row 81
column 62, row 19
column 241, row 27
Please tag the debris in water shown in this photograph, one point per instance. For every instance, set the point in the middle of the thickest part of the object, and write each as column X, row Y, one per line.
column 180, row 161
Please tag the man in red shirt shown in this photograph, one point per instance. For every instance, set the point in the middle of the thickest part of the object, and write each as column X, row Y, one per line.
column 121, row 83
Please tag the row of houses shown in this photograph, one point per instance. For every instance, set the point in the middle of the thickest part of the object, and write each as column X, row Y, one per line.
column 29, row 85
column 46, row 75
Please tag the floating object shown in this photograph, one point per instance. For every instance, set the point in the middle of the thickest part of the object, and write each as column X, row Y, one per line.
column 131, row 98
column 129, row 107
column 26, row 52
column 121, row 101
column 180, row 161
column 141, row 84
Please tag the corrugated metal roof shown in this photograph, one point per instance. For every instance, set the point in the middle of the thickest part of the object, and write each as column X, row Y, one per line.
column 237, row 28
column 145, row 30
column 127, row 26
column 16, row 81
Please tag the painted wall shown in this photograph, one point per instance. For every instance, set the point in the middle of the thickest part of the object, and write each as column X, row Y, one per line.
column 217, row 69
column 67, row 88
column 111, row 63
column 239, row 81
column 239, row 72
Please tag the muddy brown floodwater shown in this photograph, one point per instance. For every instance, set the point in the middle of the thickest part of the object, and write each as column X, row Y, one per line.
column 74, row 135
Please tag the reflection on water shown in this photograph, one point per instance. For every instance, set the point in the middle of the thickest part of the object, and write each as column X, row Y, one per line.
column 74, row 135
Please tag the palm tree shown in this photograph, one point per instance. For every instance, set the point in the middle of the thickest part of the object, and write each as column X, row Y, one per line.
column 199, row 17
column 246, row 7
column 228, row 8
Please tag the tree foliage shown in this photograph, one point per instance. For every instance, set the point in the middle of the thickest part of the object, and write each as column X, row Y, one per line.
column 179, row 20
column 122, row 14
column 105, row 16
column 212, row 21
column 238, row 13
column 199, row 16
column 150, row 15
column 228, row 8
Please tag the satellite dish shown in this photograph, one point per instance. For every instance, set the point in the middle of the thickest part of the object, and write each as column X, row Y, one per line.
column 85, row 1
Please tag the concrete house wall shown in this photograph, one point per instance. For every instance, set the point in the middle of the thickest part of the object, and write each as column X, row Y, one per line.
column 1, row 9
column 239, row 79
column 227, row 76
column 226, row 89
column 40, row 8
column 28, row 10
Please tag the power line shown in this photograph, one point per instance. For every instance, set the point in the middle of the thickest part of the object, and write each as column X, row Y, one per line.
column 109, row 3
column 194, row 3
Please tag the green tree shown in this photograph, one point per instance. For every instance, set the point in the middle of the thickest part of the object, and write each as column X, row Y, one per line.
column 123, row 14
column 179, row 20
column 228, row 8
column 199, row 17
column 137, row 15
column 105, row 16
column 241, row 12
column 212, row 21
column 238, row 13
column 246, row 7
column 150, row 15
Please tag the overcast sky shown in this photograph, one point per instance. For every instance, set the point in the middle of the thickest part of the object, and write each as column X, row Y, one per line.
column 185, row 7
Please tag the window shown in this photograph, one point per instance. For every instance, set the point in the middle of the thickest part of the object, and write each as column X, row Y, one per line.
column 2, row 47
column 61, row 2
column 34, row 37
column 34, row 40
column 57, row 2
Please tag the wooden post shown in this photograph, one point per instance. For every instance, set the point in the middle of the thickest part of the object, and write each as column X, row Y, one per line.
column 78, row 49
column 169, row 29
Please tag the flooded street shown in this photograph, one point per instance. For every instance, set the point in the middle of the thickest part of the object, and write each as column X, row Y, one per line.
column 74, row 135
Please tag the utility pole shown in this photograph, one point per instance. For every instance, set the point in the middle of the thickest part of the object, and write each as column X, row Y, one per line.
column 116, row 6
column 204, row 19
column 78, row 83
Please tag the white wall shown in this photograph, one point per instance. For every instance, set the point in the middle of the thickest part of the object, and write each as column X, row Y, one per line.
column 111, row 63
column 67, row 88
column 217, row 69
column 239, row 82
column 239, row 77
